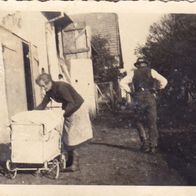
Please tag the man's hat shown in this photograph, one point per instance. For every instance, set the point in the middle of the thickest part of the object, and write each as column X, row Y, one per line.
column 139, row 61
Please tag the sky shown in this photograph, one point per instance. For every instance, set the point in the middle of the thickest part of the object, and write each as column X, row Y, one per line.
column 134, row 29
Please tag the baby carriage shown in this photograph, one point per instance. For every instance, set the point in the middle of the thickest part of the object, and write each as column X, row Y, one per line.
column 36, row 143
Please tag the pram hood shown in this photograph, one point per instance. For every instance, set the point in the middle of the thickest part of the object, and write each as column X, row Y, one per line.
column 50, row 119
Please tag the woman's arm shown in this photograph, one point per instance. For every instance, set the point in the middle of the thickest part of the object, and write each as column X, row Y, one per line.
column 73, row 103
column 44, row 103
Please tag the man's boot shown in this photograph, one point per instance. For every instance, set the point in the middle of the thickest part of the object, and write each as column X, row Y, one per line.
column 154, row 149
column 143, row 137
column 145, row 146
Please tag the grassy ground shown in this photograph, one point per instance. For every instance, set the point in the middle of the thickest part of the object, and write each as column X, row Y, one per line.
column 113, row 157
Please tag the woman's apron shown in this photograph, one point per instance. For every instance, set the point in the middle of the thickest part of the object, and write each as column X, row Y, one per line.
column 77, row 127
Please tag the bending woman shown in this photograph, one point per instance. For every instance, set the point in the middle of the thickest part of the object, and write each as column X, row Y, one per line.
column 77, row 125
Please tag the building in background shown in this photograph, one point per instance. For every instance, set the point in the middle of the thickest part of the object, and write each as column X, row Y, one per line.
column 76, row 51
column 106, row 55
column 73, row 49
column 55, row 43
column 106, row 26
column 22, row 56
column 35, row 42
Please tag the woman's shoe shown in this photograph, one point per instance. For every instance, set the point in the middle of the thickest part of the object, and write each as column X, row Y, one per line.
column 74, row 166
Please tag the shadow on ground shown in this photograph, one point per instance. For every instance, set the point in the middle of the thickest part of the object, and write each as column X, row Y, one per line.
column 5, row 155
column 121, row 147
column 179, row 148
column 114, row 158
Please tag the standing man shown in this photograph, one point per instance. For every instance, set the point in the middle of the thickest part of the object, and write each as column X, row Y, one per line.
column 144, row 82
column 77, row 125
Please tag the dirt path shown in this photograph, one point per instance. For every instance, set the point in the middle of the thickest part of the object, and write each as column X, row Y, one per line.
column 112, row 158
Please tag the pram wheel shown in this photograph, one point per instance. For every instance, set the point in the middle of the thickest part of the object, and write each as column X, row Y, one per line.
column 53, row 169
column 38, row 173
column 12, row 171
column 12, row 174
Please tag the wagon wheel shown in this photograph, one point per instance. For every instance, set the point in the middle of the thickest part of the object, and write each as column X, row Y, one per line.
column 53, row 169
column 12, row 171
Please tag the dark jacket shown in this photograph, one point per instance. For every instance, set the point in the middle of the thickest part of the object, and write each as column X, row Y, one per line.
column 64, row 93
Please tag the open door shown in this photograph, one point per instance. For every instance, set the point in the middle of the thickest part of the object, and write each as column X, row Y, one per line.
column 76, row 41
column 77, row 50
column 28, row 76
column 14, row 73
column 21, row 67
column 35, row 72
column 3, row 100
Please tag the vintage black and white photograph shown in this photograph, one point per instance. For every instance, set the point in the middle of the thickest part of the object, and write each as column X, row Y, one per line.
column 93, row 97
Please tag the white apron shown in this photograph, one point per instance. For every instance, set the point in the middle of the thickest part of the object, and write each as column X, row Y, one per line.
column 77, row 127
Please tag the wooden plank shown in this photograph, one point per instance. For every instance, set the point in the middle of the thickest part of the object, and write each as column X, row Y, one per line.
column 4, row 46
column 73, row 29
column 56, row 18
column 77, row 51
